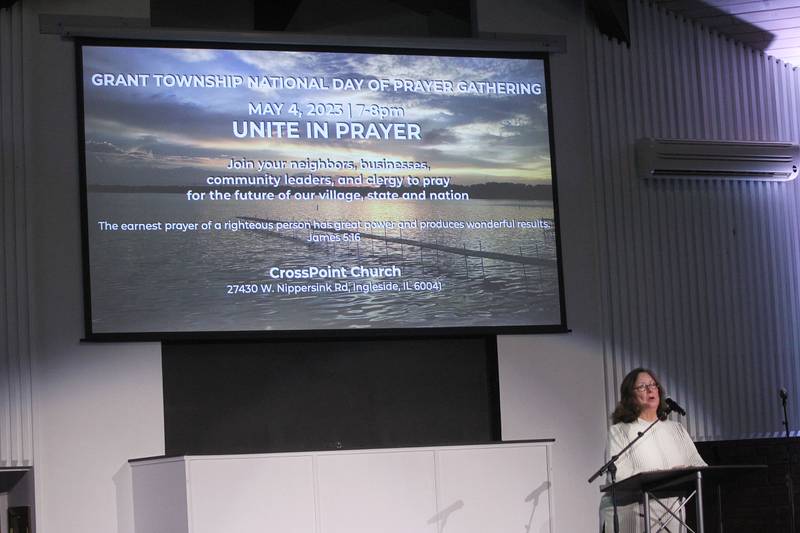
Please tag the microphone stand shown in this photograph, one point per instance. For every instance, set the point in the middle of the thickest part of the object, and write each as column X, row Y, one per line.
column 611, row 468
column 788, row 477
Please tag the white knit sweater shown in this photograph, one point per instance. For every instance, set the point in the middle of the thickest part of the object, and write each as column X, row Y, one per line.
column 667, row 445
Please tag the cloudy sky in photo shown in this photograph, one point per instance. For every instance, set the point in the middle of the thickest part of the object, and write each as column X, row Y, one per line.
column 170, row 135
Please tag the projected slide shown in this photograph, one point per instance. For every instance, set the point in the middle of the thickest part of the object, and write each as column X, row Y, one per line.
column 232, row 190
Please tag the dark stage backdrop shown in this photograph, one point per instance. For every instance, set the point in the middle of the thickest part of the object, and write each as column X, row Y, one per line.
column 222, row 398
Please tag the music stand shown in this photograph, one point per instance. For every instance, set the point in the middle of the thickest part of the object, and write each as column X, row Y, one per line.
column 685, row 482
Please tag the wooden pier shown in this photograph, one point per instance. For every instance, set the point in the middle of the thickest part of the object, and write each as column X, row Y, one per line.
column 466, row 252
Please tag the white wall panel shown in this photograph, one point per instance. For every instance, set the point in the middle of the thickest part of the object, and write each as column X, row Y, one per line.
column 15, row 377
column 700, row 279
column 552, row 385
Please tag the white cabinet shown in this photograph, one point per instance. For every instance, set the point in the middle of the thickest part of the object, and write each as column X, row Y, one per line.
column 447, row 489
column 495, row 489
column 245, row 494
column 369, row 492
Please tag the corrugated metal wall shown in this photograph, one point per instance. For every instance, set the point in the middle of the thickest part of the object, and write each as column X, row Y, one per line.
column 700, row 280
column 16, row 447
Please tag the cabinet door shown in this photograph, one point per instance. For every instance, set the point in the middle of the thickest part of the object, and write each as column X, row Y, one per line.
column 386, row 492
column 159, row 497
column 252, row 495
column 488, row 489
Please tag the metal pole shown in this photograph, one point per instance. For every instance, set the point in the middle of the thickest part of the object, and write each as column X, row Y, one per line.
column 612, row 469
column 788, row 476
column 699, row 503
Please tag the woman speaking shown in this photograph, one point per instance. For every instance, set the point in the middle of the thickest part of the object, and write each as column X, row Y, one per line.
column 667, row 445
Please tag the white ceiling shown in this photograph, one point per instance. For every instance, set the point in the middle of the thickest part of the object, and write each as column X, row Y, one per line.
column 769, row 25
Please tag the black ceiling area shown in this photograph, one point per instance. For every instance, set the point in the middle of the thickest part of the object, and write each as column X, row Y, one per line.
column 418, row 18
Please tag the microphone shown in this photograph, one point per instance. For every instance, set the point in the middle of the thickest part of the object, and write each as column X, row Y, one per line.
column 674, row 407
column 784, row 394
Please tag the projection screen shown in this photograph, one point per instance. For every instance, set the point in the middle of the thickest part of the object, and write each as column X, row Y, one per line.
column 316, row 191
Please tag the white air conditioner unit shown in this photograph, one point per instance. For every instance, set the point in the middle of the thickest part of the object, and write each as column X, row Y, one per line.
column 729, row 160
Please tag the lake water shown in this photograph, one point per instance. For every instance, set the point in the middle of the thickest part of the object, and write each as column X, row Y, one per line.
column 179, row 281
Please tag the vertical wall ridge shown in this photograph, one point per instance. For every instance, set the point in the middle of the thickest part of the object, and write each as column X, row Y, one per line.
column 701, row 279
column 15, row 376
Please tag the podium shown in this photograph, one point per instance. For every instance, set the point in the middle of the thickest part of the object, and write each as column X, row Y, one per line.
column 686, row 482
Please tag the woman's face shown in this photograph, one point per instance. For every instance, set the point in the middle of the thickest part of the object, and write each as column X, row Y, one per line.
column 645, row 390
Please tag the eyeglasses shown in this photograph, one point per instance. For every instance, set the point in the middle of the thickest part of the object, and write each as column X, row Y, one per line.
column 646, row 387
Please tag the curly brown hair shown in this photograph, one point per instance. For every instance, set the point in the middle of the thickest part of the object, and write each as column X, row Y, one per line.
column 628, row 409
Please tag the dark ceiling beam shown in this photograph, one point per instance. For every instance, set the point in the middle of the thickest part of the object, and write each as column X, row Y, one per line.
column 274, row 16
column 611, row 17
